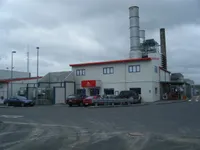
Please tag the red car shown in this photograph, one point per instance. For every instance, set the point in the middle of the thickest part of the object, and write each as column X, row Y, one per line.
column 88, row 101
column 75, row 100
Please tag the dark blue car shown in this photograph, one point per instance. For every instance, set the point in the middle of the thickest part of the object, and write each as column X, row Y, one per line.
column 19, row 101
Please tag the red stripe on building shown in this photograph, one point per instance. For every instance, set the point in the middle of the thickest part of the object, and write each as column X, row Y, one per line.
column 18, row 79
column 111, row 62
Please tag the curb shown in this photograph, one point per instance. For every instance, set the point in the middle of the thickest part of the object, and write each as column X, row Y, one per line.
column 116, row 106
column 170, row 102
column 3, row 107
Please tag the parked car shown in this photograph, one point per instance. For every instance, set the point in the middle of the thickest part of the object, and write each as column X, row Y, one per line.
column 136, row 98
column 88, row 101
column 19, row 101
column 75, row 100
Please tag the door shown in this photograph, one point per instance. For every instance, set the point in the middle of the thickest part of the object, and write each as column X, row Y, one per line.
column 109, row 91
column 94, row 91
column 59, row 95
column 81, row 92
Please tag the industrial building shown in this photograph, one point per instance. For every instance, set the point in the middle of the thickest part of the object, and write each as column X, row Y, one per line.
column 142, row 71
column 145, row 71
column 21, row 84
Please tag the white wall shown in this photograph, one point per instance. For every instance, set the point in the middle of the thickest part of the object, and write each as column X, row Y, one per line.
column 146, row 79
column 18, row 84
column 59, row 95
column 69, row 89
column 3, row 90
column 121, row 73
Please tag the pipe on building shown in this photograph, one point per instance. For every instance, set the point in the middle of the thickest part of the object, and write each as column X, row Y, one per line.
column 142, row 35
column 135, row 51
column 163, row 48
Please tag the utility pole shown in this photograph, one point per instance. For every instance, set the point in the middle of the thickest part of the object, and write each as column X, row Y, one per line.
column 11, row 86
column 28, row 61
column 37, row 72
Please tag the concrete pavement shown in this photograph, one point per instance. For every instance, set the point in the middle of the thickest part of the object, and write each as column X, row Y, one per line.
column 147, row 127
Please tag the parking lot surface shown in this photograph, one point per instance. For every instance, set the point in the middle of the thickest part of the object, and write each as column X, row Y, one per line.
column 148, row 127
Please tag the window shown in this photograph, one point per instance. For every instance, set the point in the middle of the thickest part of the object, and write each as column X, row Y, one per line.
column 134, row 68
column 156, row 90
column 81, row 92
column 80, row 72
column 109, row 91
column 155, row 69
column 137, row 90
column 108, row 70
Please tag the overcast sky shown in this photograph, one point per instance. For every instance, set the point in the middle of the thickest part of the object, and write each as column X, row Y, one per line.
column 73, row 31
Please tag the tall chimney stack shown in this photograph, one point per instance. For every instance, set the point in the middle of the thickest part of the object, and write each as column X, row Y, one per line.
column 135, row 51
column 163, row 48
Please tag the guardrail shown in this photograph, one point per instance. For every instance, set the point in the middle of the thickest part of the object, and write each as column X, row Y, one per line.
column 106, row 102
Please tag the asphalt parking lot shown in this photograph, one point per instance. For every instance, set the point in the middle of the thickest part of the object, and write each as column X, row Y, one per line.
column 148, row 127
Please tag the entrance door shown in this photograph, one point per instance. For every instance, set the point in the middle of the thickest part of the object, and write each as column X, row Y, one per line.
column 94, row 91
column 81, row 91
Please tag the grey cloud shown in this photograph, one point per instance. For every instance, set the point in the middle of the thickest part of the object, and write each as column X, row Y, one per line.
column 71, row 31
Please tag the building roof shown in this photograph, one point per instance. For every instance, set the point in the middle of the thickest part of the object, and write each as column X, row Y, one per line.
column 55, row 77
column 111, row 62
column 18, row 79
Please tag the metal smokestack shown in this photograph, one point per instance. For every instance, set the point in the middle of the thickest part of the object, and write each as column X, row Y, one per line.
column 135, row 51
column 163, row 48
column 142, row 35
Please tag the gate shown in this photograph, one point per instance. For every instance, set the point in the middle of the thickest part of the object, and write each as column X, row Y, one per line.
column 59, row 95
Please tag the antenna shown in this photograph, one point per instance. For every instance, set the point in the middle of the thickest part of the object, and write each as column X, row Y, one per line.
column 28, row 58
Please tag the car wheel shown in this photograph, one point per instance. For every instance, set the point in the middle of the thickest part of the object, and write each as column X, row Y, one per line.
column 70, row 105
column 22, row 104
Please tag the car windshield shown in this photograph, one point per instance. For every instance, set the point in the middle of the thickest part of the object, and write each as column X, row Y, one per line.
column 72, row 96
column 90, row 97
column 21, row 97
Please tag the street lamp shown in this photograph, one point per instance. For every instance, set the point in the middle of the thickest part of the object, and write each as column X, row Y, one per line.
column 11, row 88
column 38, row 48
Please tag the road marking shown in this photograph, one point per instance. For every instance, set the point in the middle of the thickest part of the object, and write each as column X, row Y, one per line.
column 11, row 116
column 41, row 124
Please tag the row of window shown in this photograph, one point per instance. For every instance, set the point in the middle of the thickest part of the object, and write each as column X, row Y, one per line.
column 110, row 70
column 80, row 72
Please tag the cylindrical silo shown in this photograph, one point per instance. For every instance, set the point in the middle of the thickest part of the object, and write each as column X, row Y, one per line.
column 135, row 51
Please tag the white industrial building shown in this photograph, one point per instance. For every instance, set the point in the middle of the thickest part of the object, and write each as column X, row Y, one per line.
column 141, row 72
column 110, row 77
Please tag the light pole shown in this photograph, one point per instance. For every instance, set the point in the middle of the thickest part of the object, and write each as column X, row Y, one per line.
column 38, row 48
column 11, row 86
